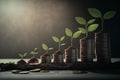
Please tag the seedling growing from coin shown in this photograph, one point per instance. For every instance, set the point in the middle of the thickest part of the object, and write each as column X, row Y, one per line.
column 86, row 43
column 101, row 37
column 58, row 55
column 71, row 52
column 46, row 58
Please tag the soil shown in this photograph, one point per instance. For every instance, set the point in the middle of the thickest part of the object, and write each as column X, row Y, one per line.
column 93, row 67
column 21, row 62
column 33, row 61
column 7, row 66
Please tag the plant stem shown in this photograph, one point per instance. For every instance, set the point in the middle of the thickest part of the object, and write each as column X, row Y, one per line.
column 59, row 46
column 102, row 21
column 47, row 51
column 71, row 41
column 86, row 30
column 21, row 57
column 33, row 55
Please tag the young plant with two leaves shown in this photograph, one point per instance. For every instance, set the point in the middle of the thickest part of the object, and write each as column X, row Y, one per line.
column 72, row 35
column 33, row 60
column 59, row 41
column 34, row 52
column 89, row 26
column 23, row 55
column 46, row 48
column 98, row 14
column 47, row 54
column 100, row 40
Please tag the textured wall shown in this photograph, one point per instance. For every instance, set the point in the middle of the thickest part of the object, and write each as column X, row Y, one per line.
column 26, row 24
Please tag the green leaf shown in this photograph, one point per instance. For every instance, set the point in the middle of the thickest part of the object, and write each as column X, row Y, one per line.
column 62, row 38
column 35, row 49
column 77, row 34
column 25, row 54
column 91, row 21
column 83, row 30
column 20, row 55
column 95, row 12
column 36, row 53
column 55, row 39
column 92, row 27
column 33, row 52
column 50, row 49
column 44, row 46
column 109, row 14
column 80, row 20
column 62, row 44
column 68, row 32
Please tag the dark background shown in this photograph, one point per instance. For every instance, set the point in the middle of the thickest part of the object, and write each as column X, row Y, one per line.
column 26, row 24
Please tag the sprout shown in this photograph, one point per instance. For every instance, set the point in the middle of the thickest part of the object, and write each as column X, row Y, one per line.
column 46, row 48
column 89, row 25
column 34, row 52
column 59, row 41
column 22, row 55
column 98, row 14
column 72, row 35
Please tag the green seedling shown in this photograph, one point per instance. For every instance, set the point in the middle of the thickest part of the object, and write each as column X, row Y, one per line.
column 89, row 25
column 46, row 48
column 59, row 41
column 34, row 52
column 72, row 35
column 98, row 14
column 22, row 55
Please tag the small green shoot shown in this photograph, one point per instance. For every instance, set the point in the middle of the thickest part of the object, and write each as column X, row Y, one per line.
column 59, row 41
column 89, row 25
column 34, row 52
column 72, row 35
column 98, row 14
column 46, row 48
column 22, row 55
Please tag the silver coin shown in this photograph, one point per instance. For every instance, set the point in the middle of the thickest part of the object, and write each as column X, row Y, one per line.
column 35, row 70
column 24, row 72
column 15, row 71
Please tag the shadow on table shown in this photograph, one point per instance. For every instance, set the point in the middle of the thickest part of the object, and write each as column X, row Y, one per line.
column 114, row 68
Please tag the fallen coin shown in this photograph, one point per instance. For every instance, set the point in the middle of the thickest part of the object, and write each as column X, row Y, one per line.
column 33, row 64
column 24, row 72
column 79, row 72
column 35, row 70
column 15, row 71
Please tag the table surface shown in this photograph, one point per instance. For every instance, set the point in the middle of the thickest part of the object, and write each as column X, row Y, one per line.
column 55, row 75
column 59, row 75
